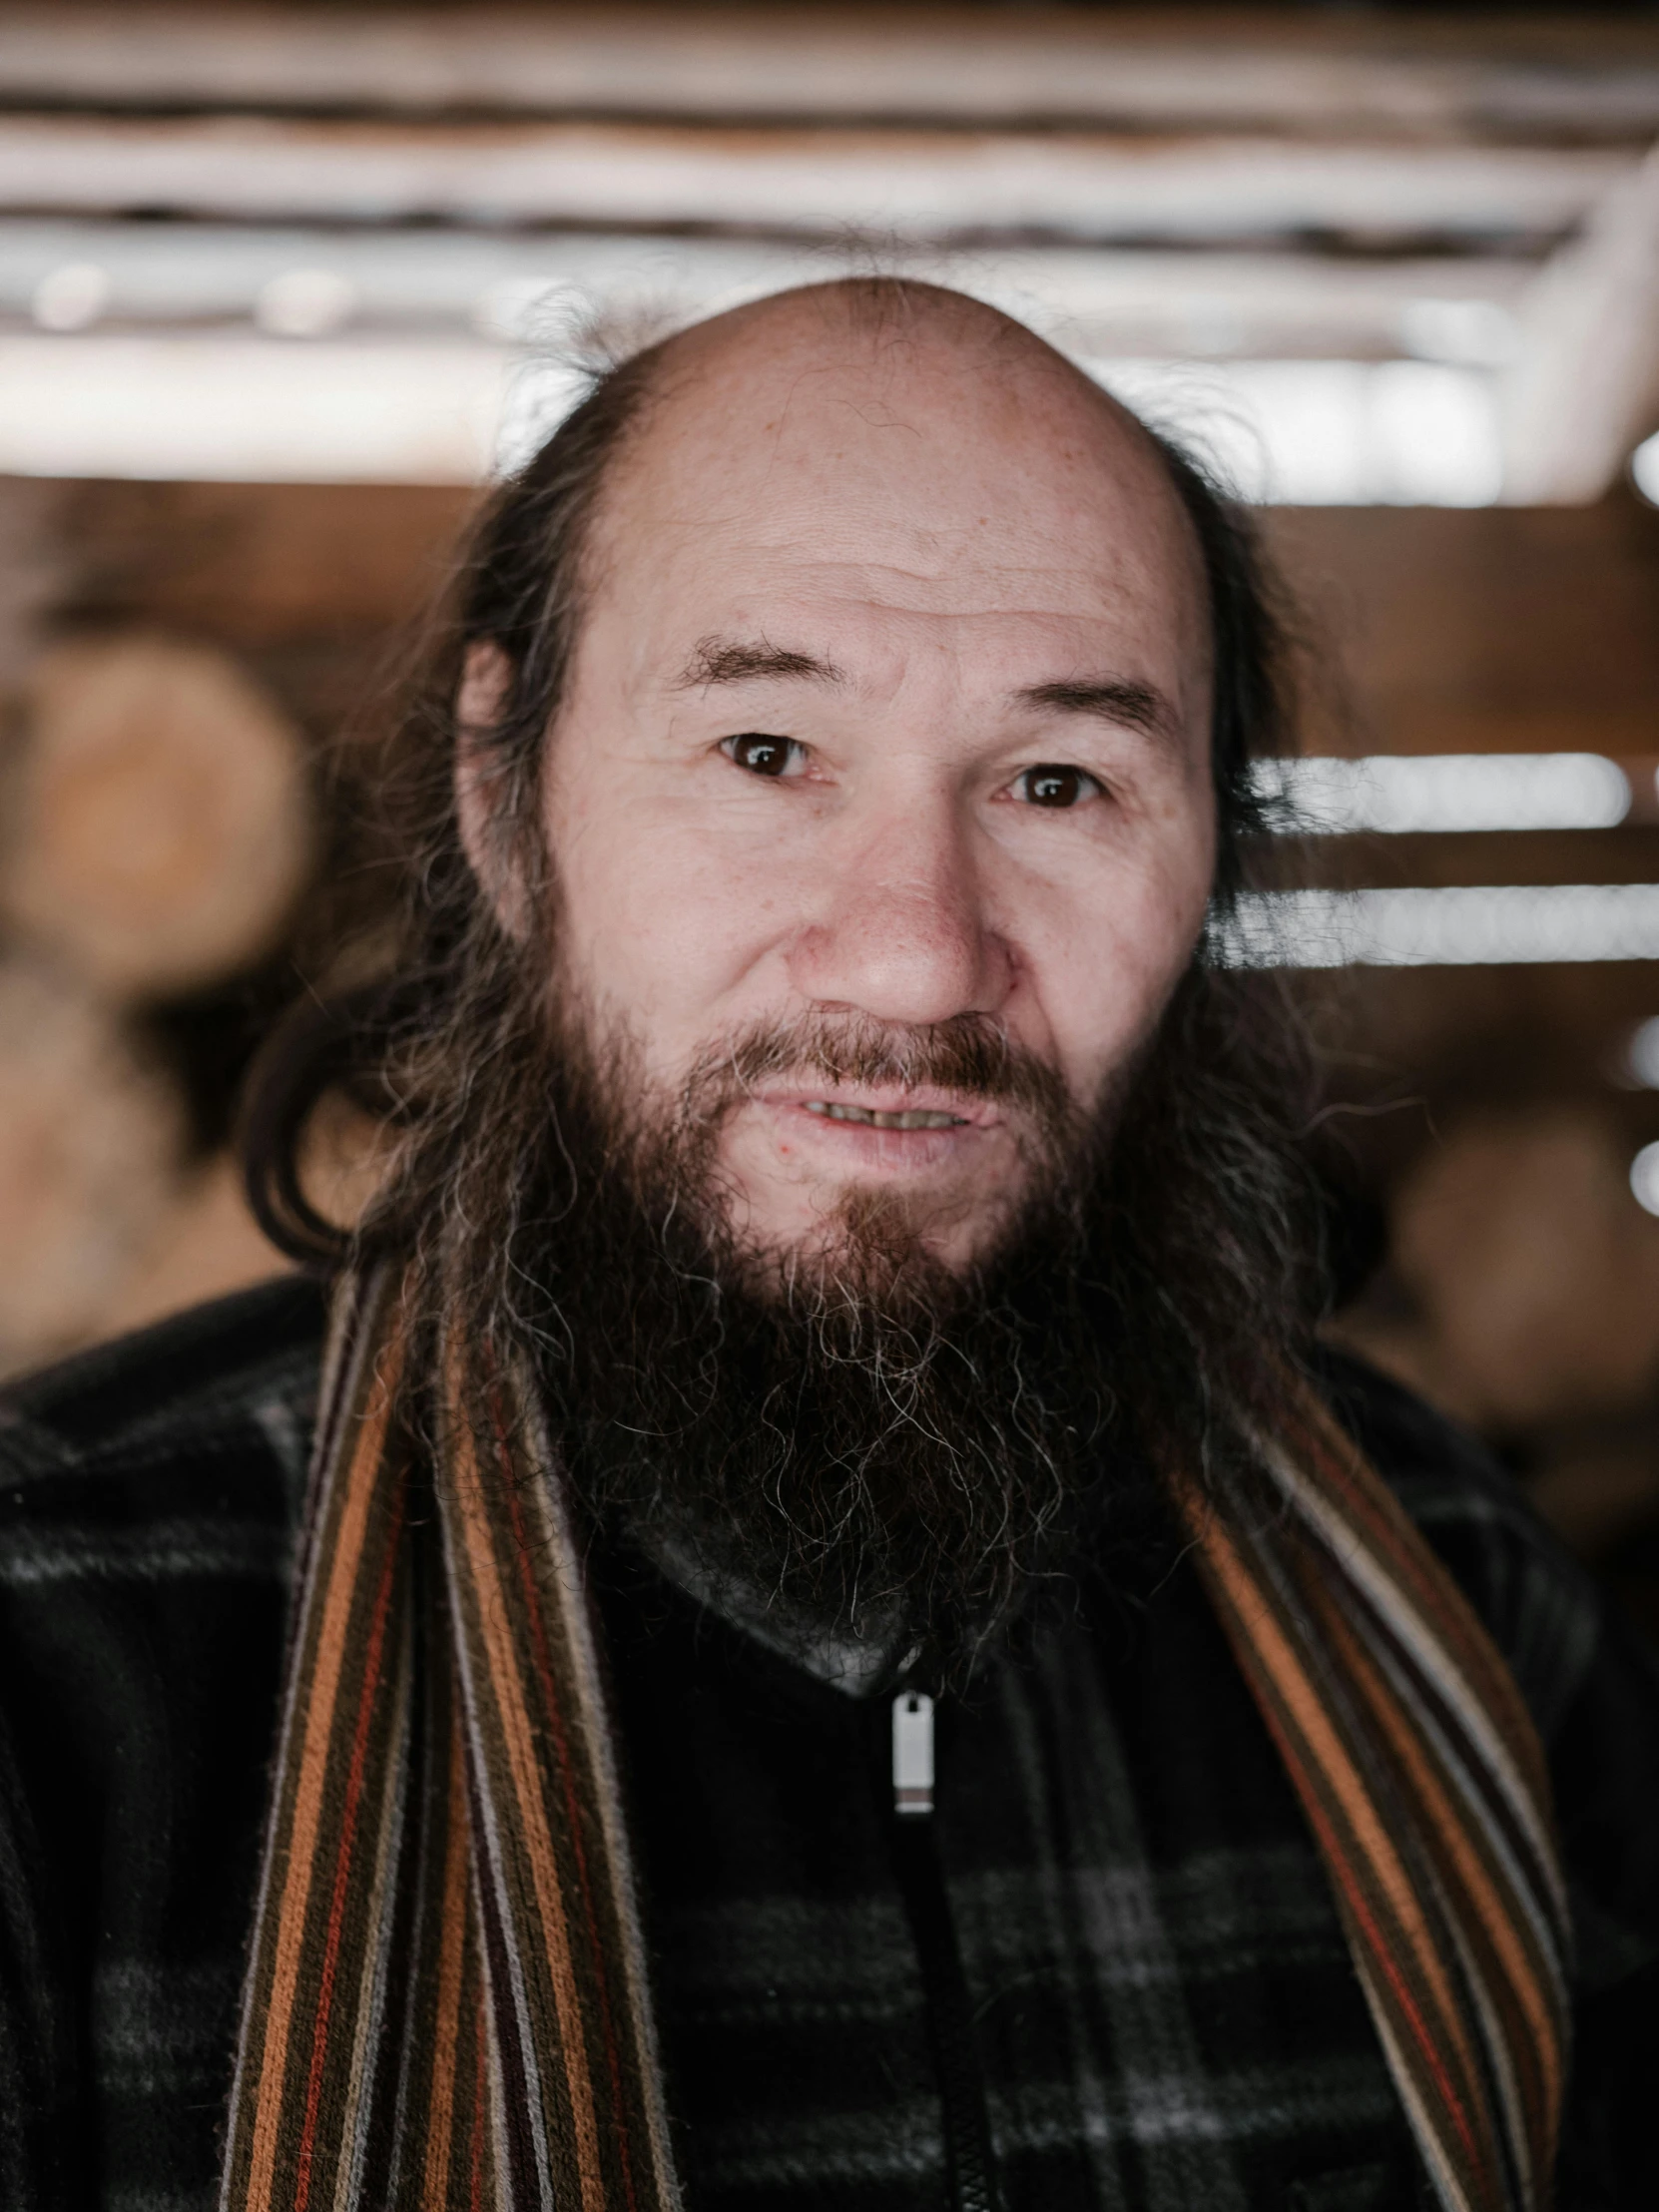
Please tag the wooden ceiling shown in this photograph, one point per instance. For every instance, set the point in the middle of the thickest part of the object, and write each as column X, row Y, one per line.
column 1212, row 184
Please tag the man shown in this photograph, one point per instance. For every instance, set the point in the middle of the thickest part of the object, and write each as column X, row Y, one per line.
column 845, row 1649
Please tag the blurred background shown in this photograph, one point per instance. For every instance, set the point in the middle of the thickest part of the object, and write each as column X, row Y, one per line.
column 281, row 287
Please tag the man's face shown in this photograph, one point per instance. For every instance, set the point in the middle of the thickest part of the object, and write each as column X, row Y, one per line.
column 890, row 711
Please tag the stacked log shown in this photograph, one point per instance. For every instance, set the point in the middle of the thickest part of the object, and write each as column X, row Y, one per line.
column 1526, row 1276
column 91, row 1143
column 159, row 835
column 163, row 816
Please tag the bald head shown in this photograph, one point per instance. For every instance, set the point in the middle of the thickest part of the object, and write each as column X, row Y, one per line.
column 893, row 336
column 905, row 427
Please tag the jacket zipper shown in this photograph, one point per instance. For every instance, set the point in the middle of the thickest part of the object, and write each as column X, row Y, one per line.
column 969, row 2161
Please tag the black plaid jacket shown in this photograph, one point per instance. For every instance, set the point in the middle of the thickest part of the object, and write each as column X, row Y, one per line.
column 1162, row 2008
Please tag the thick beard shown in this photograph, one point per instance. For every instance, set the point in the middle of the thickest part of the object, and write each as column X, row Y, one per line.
column 864, row 1443
column 853, row 1440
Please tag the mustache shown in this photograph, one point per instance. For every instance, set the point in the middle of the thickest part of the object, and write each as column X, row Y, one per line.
column 972, row 1056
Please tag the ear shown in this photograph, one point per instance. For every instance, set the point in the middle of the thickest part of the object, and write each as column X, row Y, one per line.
column 486, row 678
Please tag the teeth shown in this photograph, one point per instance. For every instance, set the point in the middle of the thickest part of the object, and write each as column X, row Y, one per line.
column 912, row 1118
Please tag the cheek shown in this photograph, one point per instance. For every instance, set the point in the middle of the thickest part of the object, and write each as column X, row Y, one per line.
column 655, row 925
column 1105, row 965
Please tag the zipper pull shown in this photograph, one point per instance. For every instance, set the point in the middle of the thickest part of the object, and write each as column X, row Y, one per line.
column 912, row 1753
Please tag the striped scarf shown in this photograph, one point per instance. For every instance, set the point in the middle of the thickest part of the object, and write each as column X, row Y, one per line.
column 446, row 2005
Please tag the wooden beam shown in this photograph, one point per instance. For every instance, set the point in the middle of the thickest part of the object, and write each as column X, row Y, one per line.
column 1271, row 68
column 928, row 183
column 1497, row 630
column 441, row 283
column 1584, row 390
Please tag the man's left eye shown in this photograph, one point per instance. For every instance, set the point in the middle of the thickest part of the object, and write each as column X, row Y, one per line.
column 1052, row 785
column 764, row 755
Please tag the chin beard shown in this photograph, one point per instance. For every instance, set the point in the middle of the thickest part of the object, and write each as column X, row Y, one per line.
column 855, row 1441
column 864, row 1447
column 848, row 1441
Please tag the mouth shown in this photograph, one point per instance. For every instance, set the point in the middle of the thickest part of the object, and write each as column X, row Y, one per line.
column 875, row 1117
column 922, row 1113
column 882, row 1130
column 822, row 1139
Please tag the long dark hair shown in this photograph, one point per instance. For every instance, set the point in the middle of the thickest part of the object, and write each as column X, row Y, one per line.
column 445, row 998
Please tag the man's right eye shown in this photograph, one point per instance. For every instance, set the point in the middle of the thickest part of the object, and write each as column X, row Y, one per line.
column 763, row 755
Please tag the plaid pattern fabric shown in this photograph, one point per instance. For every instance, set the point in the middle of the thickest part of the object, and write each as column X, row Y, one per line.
column 150, row 1493
column 1166, row 2008
column 1164, row 2001
column 1415, row 1760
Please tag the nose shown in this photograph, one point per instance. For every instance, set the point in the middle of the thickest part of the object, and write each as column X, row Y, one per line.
column 902, row 932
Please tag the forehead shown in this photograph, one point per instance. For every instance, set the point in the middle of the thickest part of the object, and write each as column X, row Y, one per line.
column 964, row 473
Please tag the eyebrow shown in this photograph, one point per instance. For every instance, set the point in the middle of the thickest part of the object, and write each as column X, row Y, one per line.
column 1119, row 699
column 1113, row 699
column 743, row 661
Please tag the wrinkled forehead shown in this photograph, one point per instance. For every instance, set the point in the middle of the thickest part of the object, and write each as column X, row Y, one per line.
column 958, row 459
